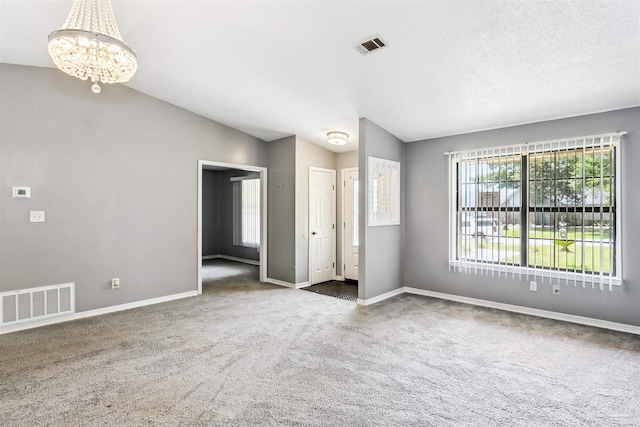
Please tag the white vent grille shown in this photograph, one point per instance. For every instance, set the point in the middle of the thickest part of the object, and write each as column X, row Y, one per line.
column 370, row 45
column 29, row 305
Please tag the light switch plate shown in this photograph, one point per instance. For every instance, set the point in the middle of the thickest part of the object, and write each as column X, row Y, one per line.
column 36, row 216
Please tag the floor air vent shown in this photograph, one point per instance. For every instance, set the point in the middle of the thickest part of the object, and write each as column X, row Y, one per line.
column 30, row 305
column 370, row 45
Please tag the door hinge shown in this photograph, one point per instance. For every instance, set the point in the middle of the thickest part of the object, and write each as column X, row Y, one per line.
column 344, row 183
column 333, row 186
column 345, row 225
column 333, row 226
column 333, row 264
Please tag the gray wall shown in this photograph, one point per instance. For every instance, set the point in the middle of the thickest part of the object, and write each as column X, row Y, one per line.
column 307, row 155
column 343, row 160
column 116, row 174
column 281, row 257
column 381, row 248
column 211, row 213
column 217, row 229
column 426, row 239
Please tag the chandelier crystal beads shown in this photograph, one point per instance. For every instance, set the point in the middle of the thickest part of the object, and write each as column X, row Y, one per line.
column 90, row 47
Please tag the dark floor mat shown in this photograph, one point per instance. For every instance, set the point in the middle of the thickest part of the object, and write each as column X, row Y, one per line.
column 343, row 290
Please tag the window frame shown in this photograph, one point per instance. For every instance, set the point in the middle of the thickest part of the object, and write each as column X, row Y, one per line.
column 522, row 270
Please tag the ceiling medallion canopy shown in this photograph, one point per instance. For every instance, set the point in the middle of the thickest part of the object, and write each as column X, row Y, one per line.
column 89, row 45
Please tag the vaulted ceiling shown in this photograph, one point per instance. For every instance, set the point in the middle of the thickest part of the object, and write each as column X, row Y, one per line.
column 273, row 68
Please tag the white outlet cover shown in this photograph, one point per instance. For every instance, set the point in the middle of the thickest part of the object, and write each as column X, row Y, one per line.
column 36, row 216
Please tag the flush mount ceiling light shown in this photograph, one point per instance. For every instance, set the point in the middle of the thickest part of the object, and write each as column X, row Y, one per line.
column 337, row 138
column 89, row 45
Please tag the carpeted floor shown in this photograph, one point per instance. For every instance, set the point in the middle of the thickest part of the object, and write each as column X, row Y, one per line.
column 246, row 354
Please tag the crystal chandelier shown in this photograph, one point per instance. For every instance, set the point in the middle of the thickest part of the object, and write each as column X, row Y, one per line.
column 89, row 45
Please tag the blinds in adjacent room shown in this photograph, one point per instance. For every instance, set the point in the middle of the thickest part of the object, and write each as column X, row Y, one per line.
column 246, row 212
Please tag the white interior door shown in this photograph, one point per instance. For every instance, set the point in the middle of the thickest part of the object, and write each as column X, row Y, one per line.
column 350, row 204
column 322, row 225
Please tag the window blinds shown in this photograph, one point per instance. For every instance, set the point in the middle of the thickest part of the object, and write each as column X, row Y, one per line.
column 246, row 213
column 544, row 210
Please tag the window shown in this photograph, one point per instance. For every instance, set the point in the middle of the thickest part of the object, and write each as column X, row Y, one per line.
column 544, row 209
column 246, row 212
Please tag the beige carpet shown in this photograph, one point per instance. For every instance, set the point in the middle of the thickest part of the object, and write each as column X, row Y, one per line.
column 246, row 353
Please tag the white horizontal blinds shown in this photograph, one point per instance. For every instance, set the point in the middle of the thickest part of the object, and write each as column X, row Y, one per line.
column 572, row 210
column 246, row 216
column 487, row 199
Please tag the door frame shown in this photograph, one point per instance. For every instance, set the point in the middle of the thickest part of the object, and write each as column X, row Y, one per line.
column 263, row 213
column 344, row 196
column 335, row 219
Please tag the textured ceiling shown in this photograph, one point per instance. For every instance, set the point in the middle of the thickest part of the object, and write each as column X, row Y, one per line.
column 274, row 69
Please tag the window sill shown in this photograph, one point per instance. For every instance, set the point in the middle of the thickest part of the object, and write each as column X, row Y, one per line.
column 527, row 273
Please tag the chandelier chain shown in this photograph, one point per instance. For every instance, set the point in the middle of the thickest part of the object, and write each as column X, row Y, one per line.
column 95, row 16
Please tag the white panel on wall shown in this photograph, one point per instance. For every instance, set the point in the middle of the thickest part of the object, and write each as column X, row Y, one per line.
column 384, row 192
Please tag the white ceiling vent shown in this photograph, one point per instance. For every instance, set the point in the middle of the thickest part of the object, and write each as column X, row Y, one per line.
column 370, row 45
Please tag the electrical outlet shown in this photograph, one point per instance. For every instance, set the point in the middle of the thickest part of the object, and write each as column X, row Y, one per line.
column 115, row 283
column 556, row 289
column 36, row 216
column 533, row 286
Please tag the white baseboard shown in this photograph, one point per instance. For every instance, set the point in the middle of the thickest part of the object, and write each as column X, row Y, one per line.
column 605, row 324
column 530, row 311
column 280, row 283
column 287, row 284
column 232, row 258
column 381, row 297
column 96, row 312
column 340, row 278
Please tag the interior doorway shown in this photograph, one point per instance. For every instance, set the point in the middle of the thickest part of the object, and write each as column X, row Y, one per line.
column 258, row 235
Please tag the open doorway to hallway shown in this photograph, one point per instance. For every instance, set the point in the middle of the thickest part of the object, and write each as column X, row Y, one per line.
column 232, row 222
